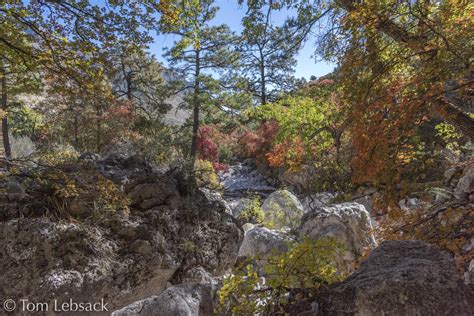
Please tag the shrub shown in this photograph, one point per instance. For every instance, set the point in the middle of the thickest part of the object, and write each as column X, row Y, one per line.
column 257, row 143
column 206, row 175
column 253, row 212
column 68, row 189
column 306, row 269
column 215, row 146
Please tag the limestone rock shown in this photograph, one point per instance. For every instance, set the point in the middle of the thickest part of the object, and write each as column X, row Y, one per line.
column 465, row 185
column 242, row 178
column 283, row 209
column 171, row 234
column 317, row 200
column 402, row 278
column 348, row 223
column 262, row 242
column 192, row 299
column 237, row 205
column 216, row 197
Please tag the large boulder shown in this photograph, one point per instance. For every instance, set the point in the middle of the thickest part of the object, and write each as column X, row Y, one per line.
column 173, row 233
column 348, row 223
column 282, row 209
column 261, row 242
column 191, row 299
column 402, row 278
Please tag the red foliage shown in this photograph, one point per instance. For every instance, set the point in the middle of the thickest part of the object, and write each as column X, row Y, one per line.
column 208, row 138
column 207, row 149
column 258, row 143
column 220, row 167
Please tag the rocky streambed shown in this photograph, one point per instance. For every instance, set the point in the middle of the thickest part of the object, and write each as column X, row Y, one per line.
column 168, row 256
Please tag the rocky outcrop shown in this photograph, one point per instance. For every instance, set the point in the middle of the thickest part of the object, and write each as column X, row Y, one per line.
column 282, row 209
column 261, row 242
column 401, row 278
column 173, row 233
column 348, row 223
column 182, row 300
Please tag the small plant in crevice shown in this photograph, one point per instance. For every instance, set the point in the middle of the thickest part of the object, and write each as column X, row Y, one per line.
column 253, row 212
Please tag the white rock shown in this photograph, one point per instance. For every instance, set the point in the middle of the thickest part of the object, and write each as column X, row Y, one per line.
column 191, row 299
column 262, row 242
column 237, row 205
column 348, row 223
column 283, row 209
column 317, row 200
column 466, row 182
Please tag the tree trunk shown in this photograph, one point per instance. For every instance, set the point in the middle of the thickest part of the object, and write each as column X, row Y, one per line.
column 99, row 130
column 455, row 116
column 263, row 92
column 76, row 129
column 6, row 138
column 196, row 107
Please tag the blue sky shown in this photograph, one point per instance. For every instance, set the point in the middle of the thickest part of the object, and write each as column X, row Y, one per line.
column 231, row 13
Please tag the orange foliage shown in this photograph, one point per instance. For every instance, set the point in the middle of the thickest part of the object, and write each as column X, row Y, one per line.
column 381, row 137
column 290, row 153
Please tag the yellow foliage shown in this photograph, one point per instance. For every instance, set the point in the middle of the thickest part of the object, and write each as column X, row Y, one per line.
column 253, row 212
column 303, row 271
column 206, row 176
column 72, row 189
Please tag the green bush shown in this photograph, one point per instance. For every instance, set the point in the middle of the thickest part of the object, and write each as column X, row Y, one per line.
column 206, row 176
column 253, row 212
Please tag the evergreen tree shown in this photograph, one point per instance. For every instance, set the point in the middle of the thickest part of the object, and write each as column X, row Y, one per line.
column 268, row 51
column 200, row 58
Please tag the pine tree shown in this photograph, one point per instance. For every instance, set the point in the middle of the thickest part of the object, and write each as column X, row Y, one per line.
column 200, row 57
column 268, row 51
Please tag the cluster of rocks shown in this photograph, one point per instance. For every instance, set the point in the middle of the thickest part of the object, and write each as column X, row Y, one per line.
column 243, row 177
column 173, row 234
column 166, row 257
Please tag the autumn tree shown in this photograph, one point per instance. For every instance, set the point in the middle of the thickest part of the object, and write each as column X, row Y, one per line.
column 407, row 60
column 401, row 64
column 65, row 39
